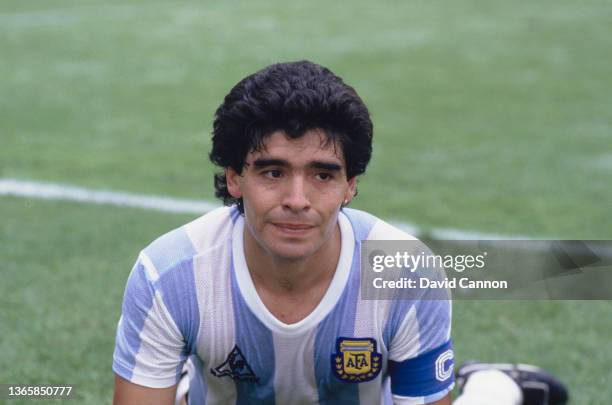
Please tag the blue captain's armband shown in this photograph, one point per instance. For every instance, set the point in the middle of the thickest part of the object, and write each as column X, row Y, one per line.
column 426, row 374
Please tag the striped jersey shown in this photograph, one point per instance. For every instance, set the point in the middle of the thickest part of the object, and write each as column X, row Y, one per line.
column 190, row 297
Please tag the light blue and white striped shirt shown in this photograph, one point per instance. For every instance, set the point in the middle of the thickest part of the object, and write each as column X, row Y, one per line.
column 190, row 296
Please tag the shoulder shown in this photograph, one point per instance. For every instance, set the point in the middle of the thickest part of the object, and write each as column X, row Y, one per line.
column 162, row 284
column 369, row 227
column 179, row 246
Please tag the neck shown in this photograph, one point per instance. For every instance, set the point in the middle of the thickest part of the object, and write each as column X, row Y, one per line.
column 285, row 276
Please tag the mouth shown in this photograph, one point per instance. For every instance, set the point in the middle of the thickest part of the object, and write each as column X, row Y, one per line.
column 294, row 229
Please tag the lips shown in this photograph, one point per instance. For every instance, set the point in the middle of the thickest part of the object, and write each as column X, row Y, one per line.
column 293, row 228
column 289, row 225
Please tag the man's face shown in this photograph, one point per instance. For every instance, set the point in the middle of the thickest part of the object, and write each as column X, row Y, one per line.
column 292, row 191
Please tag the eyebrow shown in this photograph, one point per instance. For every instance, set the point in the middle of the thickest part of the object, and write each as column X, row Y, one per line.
column 260, row 163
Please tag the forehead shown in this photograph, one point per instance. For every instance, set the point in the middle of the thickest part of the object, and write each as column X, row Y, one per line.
column 313, row 145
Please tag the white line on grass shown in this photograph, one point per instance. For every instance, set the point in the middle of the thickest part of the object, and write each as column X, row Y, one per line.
column 55, row 191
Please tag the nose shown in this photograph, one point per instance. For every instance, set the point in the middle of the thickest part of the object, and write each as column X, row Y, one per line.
column 295, row 196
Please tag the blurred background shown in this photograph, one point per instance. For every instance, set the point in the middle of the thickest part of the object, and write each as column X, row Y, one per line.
column 490, row 118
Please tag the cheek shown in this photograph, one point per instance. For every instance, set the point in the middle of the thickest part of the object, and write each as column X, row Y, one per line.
column 328, row 192
column 332, row 199
column 330, row 215
column 257, row 204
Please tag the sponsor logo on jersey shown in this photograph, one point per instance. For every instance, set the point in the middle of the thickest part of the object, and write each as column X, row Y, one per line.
column 356, row 360
column 444, row 365
column 236, row 367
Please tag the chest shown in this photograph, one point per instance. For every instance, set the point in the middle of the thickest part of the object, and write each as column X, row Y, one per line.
column 333, row 356
column 309, row 366
column 290, row 308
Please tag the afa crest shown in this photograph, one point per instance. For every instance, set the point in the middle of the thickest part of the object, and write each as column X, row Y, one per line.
column 356, row 360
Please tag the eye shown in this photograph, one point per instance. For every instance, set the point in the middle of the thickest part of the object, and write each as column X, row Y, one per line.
column 272, row 174
column 324, row 176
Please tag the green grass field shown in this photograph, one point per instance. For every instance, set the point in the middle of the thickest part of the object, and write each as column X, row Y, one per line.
column 489, row 116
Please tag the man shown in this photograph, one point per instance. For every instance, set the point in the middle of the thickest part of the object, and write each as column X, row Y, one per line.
column 262, row 296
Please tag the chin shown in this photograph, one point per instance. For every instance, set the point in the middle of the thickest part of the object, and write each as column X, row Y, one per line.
column 289, row 251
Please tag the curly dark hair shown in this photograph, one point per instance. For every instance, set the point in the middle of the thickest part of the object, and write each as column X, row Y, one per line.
column 292, row 97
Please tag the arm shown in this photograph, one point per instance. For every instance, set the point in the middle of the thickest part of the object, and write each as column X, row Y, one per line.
column 127, row 393
column 421, row 357
column 149, row 348
column 417, row 369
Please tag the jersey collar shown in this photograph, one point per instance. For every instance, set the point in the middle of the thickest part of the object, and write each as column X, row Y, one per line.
column 329, row 300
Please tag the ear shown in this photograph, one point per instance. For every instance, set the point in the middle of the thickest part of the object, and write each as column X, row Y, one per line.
column 232, row 178
column 351, row 190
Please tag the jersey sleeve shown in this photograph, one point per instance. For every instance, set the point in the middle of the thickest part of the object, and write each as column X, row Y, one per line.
column 149, row 348
column 421, row 354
